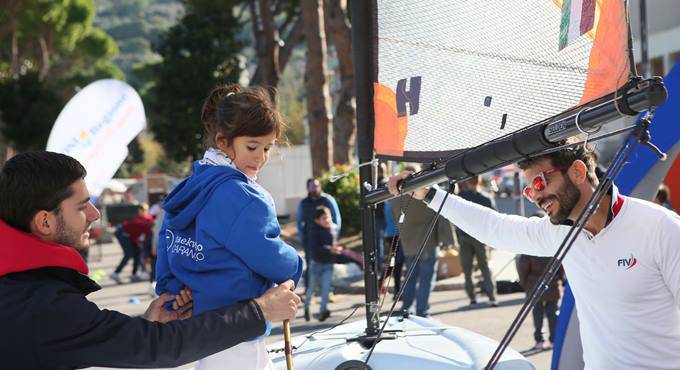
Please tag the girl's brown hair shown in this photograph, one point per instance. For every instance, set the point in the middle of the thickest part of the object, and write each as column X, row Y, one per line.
column 236, row 111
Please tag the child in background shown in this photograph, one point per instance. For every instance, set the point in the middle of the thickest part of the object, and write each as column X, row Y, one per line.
column 133, row 236
column 324, row 249
column 220, row 236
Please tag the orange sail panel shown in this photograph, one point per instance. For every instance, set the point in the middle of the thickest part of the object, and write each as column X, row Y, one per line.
column 390, row 129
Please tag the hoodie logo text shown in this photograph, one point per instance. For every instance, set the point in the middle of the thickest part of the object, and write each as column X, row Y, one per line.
column 183, row 246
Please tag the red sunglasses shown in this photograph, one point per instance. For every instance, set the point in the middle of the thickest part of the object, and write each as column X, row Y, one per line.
column 539, row 182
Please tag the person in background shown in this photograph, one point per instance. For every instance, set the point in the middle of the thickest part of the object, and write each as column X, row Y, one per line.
column 392, row 236
column 305, row 216
column 324, row 249
column 157, row 207
column 155, row 234
column 46, row 319
column 140, row 232
column 663, row 197
column 471, row 248
column 412, row 232
column 134, row 236
column 530, row 269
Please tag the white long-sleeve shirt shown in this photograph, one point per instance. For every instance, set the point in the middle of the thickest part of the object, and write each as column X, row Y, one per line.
column 625, row 279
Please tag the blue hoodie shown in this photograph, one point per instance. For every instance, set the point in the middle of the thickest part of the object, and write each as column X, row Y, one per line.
column 220, row 237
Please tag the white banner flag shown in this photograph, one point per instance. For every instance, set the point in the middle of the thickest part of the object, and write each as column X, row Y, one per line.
column 96, row 126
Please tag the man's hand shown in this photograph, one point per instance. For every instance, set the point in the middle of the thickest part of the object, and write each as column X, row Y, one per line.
column 393, row 182
column 279, row 303
column 156, row 311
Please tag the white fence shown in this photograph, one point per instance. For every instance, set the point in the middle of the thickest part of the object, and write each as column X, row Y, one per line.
column 285, row 177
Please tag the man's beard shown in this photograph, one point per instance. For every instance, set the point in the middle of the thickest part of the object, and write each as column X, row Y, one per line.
column 70, row 238
column 567, row 196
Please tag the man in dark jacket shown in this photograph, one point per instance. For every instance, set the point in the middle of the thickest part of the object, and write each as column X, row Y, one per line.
column 530, row 269
column 47, row 322
column 412, row 232
column 471, row 248
column 305, row 217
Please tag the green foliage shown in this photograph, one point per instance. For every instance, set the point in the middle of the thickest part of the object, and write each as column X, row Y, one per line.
column 198, row 53
column 29, row 110
column 136, row 25
column 129, row 30
column 346, row 193
column 136, row 45
column 96, row 44
column 58, row 52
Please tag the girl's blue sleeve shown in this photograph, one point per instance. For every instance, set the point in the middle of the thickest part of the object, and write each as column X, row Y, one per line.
column 165, row 280
column 253, row 235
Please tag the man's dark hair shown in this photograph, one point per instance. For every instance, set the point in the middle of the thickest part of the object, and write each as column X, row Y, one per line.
column 663, row 195
column 35, row 181
column 566, row 157
column 310, row 180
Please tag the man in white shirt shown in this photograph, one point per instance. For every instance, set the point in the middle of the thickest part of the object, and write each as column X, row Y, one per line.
column 624, row 269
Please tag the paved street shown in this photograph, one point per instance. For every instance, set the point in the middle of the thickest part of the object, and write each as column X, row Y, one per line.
column 449, row 307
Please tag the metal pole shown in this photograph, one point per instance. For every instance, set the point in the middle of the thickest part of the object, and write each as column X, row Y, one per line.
column 363, row 41
column 644, row 49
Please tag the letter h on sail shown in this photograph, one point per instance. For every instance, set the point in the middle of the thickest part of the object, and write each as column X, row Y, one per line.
column 411, row 96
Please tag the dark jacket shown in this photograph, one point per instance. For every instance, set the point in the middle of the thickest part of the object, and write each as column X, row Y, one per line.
column 47, row 323
column 320, row 242
column 478, row 198
column 417, row 218
column 305, row 214
column 530, row 269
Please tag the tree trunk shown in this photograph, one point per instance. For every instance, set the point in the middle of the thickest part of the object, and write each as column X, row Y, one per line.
column 3, row 144
column 316, row 85
column 294, row 37
column 14, row 64
column 344, row 125
column 269, row 62
column 45, row 64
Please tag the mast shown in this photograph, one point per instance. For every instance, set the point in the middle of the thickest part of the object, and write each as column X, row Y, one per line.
column 644, row 50
column 363, row 42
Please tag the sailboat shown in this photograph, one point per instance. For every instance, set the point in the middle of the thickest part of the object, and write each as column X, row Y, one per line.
column 471, row 86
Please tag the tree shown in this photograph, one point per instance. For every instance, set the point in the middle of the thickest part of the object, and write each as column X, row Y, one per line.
column 344, row 121
column 29, row 108
column 136, row 25
column 268, row 24
column 316, row 85
column 198, row 53
column 53, row 51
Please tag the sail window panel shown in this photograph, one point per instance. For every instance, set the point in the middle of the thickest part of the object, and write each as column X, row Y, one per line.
column 483, row 70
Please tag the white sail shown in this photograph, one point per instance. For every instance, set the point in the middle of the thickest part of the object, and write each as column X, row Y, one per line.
column 456, row 74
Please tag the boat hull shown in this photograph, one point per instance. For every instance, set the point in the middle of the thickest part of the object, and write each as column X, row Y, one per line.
column 415, row 343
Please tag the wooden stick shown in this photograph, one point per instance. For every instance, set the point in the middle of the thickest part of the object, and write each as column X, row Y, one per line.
column 287, row 345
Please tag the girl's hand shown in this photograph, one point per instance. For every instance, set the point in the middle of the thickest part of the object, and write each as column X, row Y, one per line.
column 156, row 312
column 182, row 299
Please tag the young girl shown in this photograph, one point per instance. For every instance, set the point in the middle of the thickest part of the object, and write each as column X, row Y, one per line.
column 220, row 236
